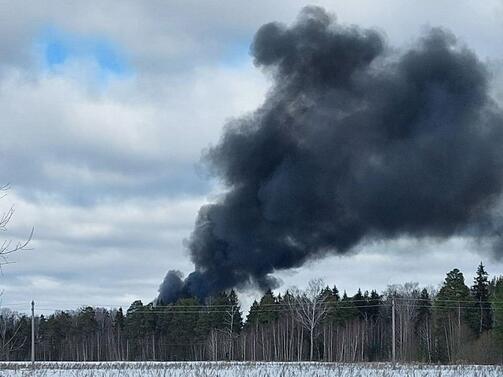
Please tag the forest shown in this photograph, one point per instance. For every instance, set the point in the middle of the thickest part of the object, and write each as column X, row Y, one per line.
column 454, row 324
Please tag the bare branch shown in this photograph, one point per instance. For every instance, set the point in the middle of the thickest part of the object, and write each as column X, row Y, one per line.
column 309, row 307
column 7, row 247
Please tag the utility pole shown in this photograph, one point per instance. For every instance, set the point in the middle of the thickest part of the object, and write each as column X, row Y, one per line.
column 33, row 333
column 393, row 339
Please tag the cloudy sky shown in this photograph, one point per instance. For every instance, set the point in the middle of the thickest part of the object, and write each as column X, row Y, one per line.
column 106, row 107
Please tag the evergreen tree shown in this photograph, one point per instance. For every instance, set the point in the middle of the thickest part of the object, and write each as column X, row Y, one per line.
column 454, row 293
column 119, row 320
column 182, row 330
column 41, row 331
column 424, row 308
column 235, row 312
column 118, row 324
column 374, row 303
column 335, row 294
column 361, row 301
column 346, row 310
column 134, row 320
column 218, row 306
column 134, row 325
column 267, row 312
column 453, row 312
column 86, row 321
column 497, row 303
column 482, row 316
column 331, row 302
column 253, row 314
column 422, row 326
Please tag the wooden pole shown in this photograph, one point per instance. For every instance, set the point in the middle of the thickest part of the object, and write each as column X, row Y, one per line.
column 33, row 333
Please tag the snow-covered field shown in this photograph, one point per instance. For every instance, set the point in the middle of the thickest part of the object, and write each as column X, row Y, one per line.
column 235, row 369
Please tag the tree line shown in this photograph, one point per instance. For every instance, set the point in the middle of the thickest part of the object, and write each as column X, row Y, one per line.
column 457, row 323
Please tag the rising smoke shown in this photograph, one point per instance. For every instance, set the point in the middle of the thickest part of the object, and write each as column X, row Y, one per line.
column 354, row 142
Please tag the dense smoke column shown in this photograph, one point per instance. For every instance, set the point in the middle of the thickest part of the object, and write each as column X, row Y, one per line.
column 352, row 143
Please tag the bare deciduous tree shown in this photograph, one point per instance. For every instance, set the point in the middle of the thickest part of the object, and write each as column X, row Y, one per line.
column 309, row 307
column 7, row 246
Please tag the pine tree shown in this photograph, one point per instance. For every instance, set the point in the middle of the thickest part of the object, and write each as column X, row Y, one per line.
column 335, row 293
column 497, row 302
column 482, row 317
column 331, row 301
column 422, row 326
column 361, row 302
column 267, row 313
column 374, row 303
column 182, row 327
column 118, row 328
column 252, row 317
column 452, row 313
column 235, row 311
column 424, row 307
column 218, row 306
column 134, row 329
column 346, row 310
column 454, row 294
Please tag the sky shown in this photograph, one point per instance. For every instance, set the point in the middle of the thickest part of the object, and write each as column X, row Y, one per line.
column 106, row 108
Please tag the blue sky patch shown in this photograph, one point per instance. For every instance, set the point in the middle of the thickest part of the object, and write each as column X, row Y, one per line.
column 57, row 47
column 237, row 53
column 55, row 53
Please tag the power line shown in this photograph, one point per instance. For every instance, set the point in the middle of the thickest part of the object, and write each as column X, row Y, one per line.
column 285, row 306
column 282, row 307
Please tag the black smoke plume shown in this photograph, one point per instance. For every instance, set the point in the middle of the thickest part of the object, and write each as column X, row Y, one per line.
column 354, row 142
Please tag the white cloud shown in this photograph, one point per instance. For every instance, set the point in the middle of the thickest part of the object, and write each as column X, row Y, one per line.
column 116, row 139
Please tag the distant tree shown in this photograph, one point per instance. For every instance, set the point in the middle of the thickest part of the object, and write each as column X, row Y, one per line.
column 118, row 328
column 335, row 294
column 86, row 325
column 422, row 326
column 497, row 302
column 345, row 310
column 406, row 301
column 361, row 303
column 374, row 303
column 233, row 321
column 266, row 312
column 9, row 328
column 252, row 316
column 453, row 315
column 332, row 299
column 480, row 294
column 186, row 312
column 21, row 339
column 309, row 307
column 223, row 317
column 234, row 315
column 133, row 327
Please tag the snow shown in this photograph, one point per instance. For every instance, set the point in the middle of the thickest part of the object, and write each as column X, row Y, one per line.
column 241, row 369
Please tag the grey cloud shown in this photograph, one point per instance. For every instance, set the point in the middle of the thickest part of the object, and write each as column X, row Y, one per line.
column 108, row 253
column 61, row 141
